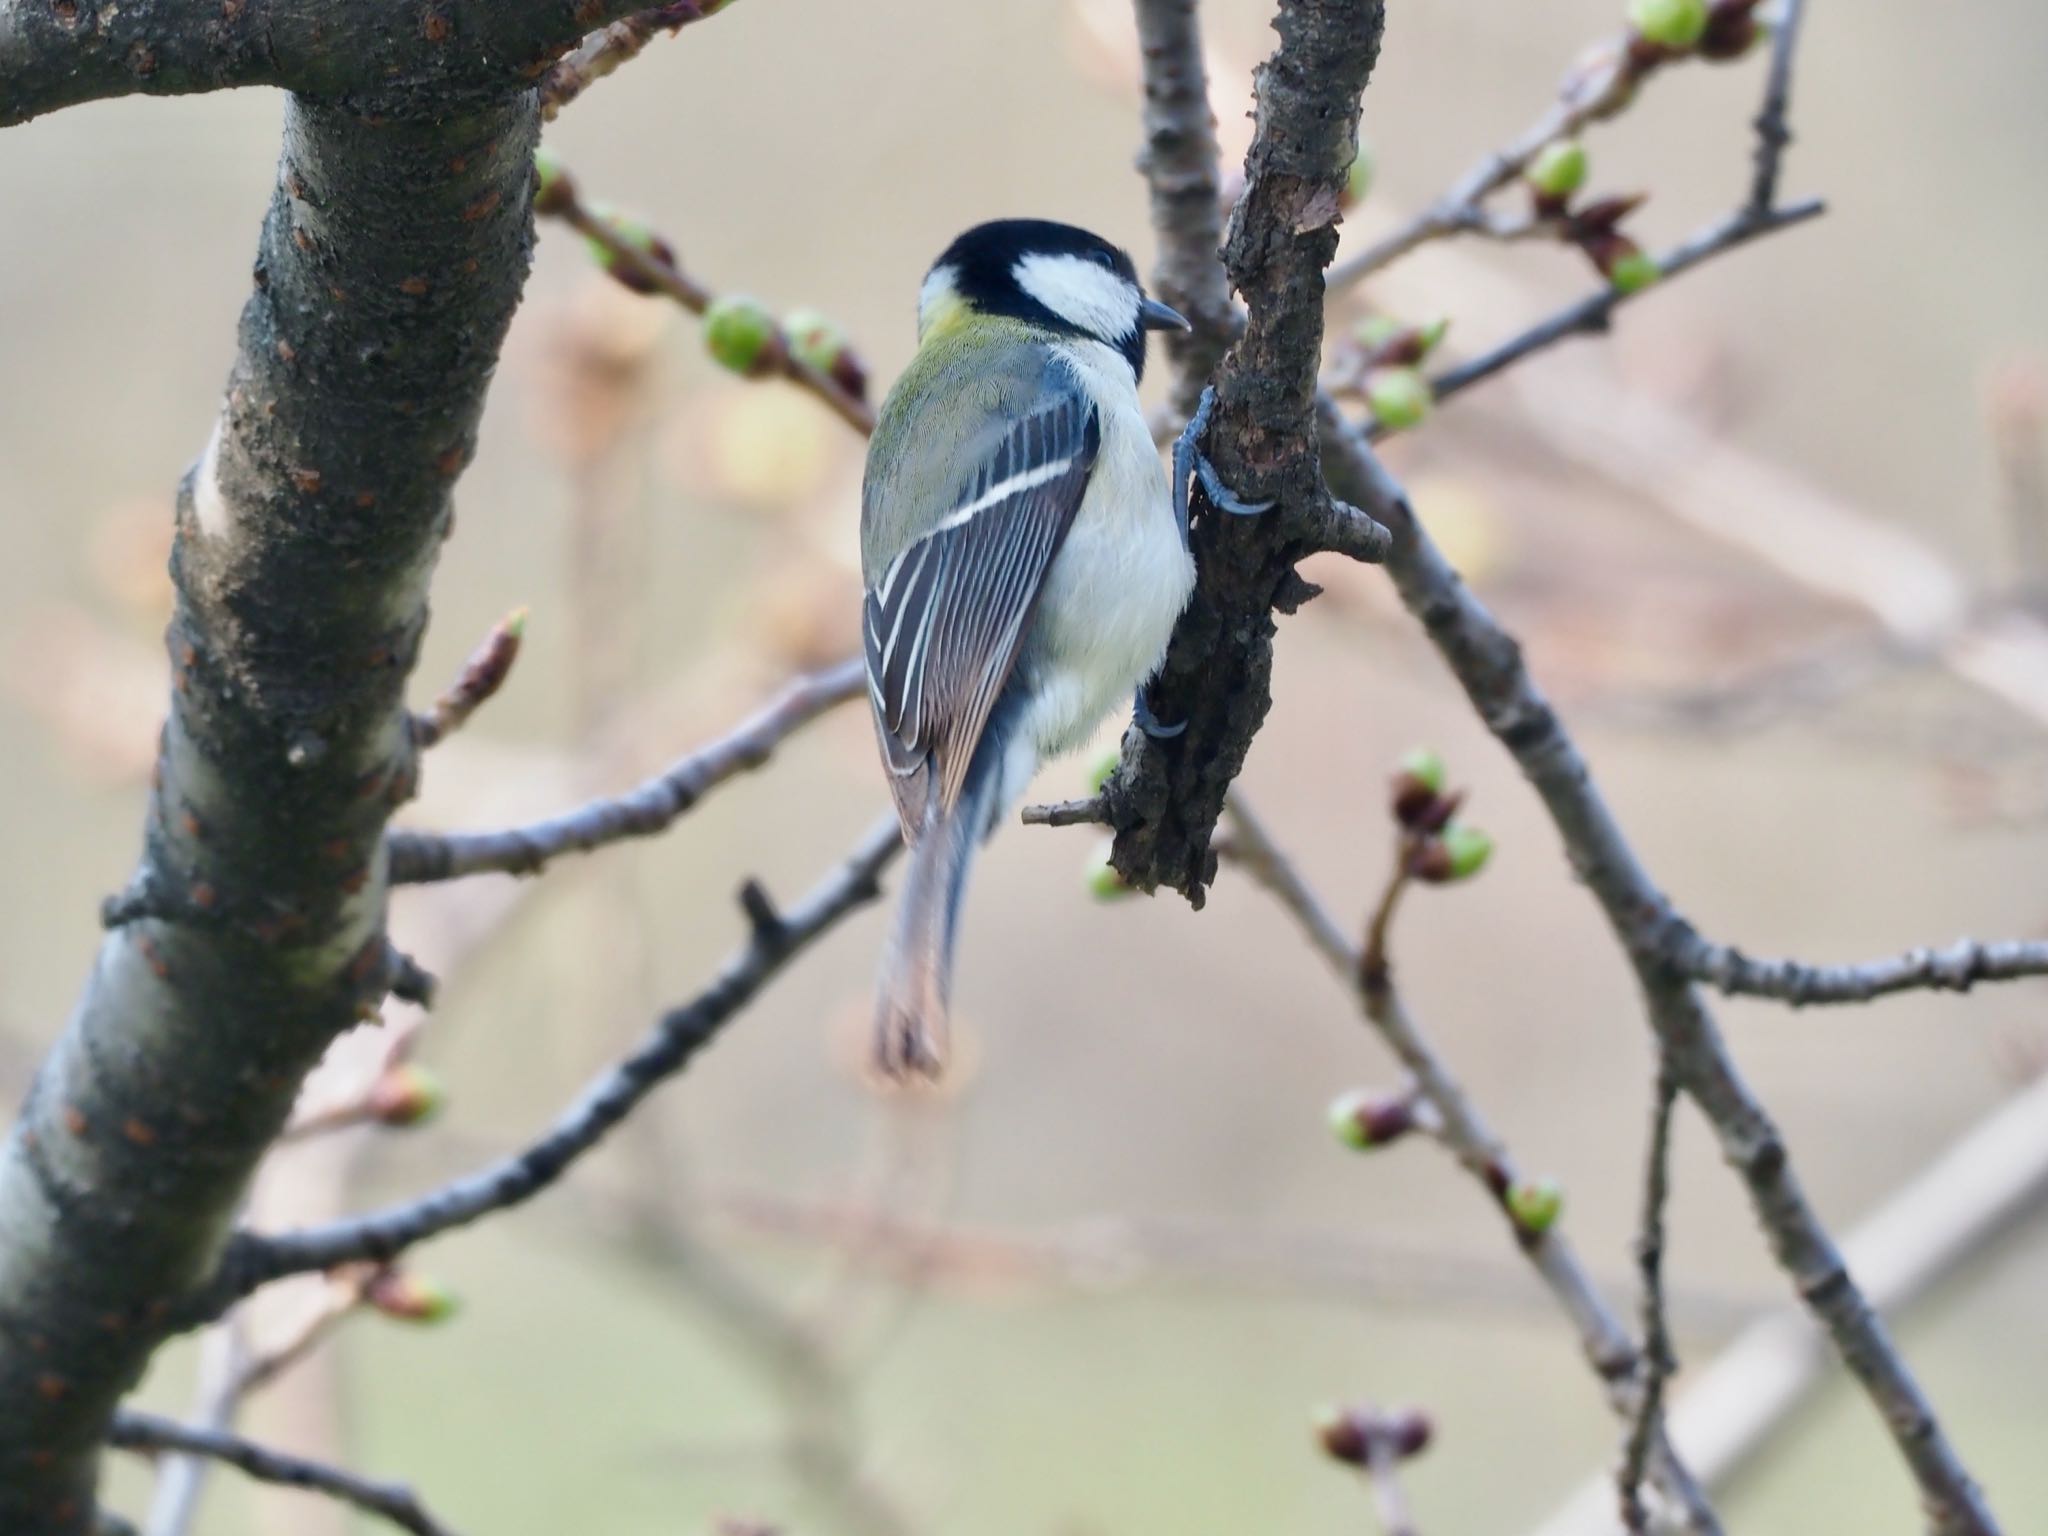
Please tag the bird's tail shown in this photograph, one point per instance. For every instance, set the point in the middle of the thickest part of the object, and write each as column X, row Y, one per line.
column 911, row 1032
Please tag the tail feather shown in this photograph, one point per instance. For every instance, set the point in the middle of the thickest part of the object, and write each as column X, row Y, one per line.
column 911, row 1014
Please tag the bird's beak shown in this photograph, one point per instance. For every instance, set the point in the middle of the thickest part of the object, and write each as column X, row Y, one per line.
column 1155, row 316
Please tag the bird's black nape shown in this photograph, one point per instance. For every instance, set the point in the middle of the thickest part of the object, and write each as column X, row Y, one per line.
column 983, row 263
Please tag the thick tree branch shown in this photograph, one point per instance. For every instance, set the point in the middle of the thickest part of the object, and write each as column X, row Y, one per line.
column 441, row 55
column 389, row 268
column 1603, row 1337
column 1488, row 664
column 253, row 1260
column 651, row 808
column 151, row 1435
column 1167, row 796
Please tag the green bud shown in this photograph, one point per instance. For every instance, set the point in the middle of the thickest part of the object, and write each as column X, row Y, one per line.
column 407, row 1095
column 1375, row 331
column 1432, row 334
column 1467, row 849
column 1426, row 768
column 1560, row 169
column 814, row 338
column 635, row 235
column 1633, row 271
column 1535, row 1203
column 1674, row 24
column 411, row 1298
column 1358, row 180
column 1364, row 1120
column 742, row 334
column 1399, row 397
column 1104, row 883
column 1104, row 766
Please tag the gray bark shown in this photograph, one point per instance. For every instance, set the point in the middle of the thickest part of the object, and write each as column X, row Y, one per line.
column 389, row 268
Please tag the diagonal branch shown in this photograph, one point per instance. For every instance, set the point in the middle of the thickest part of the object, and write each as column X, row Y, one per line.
column 1216, row 678
column 1955, row 969
column 1488, row 664
column 253, row 1260
column 447, row 55
column 151, row 1435
column 651, row 808
column 1648, row 1428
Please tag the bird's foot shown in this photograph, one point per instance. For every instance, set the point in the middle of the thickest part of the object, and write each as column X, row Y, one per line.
column 1190, row 463
column 1148, row 722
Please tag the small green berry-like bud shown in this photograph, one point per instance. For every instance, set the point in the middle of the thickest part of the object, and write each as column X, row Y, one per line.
column 553, row 190
column 1535, row 1203
column 1104, row 883
column 1426, row 767
column 410, row 1298
column 1560, row 169
column 1416, row 795
column 742, row 334
column 1399, row 397
column 819, row 342
column 1364, row 1120
column 634, row 235
column 406, row 1095
column 1674, row 24
column 1377, row 331
column 1633, row 270
column 1468, row 848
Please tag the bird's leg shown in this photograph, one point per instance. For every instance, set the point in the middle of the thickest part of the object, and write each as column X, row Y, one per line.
column 1149, row 722
column 1190, row 463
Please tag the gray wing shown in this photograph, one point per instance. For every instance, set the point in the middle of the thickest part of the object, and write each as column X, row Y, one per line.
column 945, row 619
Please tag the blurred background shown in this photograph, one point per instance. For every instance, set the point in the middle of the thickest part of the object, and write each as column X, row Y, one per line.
column 1101, row 1284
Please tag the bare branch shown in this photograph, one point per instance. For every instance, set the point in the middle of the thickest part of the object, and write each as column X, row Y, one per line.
column 1166, row 797
column 1180, row 164
column 254, row 1260
column 147, row 1433
column 1954, row 969
column 1487, row 662
column 1773, row 128
column 1067, row 813
column 1658, row 1360
column 447, row 57
column 651, row 808
column 1603, row 1338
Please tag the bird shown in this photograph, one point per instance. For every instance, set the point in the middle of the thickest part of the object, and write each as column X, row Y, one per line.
column 1024, row 555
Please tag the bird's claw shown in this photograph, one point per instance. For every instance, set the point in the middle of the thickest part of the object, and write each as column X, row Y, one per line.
column 1149, row 722
column 1190, row 463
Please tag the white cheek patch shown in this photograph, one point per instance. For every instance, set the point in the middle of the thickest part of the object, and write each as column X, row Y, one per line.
column 1083, row 293
column 941, row 291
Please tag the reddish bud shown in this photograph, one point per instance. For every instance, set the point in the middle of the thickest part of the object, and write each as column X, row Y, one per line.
column 409, row 1298
column 1366, row 1120
column 406, row 1095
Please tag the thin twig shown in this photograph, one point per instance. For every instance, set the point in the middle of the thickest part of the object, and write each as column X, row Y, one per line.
column 151, row 1435
column 482, row 675
column 666, row 277
column 1389, row 1498
column 650, row 808
column 1773, row 128
column 1603, row 1337
column 1955, row 969
column 607, row 48
column 1658, row 1359
column 253, row 1259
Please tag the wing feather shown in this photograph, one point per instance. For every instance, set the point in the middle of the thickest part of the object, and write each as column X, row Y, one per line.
column 944, row 622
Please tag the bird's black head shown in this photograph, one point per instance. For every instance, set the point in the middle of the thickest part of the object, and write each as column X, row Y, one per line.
column 1053, row 275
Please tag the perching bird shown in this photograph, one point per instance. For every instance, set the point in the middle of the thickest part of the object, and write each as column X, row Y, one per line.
column 1025, row 561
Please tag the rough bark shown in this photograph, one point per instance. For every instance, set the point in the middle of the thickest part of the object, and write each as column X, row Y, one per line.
column 1167, row 797
column 414, row 56
column 389, row 266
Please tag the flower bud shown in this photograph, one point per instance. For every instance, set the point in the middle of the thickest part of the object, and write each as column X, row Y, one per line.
column 1416, row 790
column 1408, row 1431
column 634, row 235
column 820, row 343
column 1104, row 883
column 1364, row 1120
column 406, row 1095
column 1673, row 24
column 1535, row 1204
column 1559, row 169
column 410, row 1298
column 741, row 334
column 1732, row 30
column 1399, row 397
column 1633, row 270
column 553, row 188
column 1391, row 343
column 1344, row 1434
